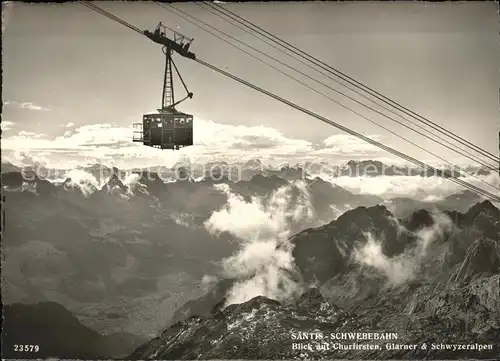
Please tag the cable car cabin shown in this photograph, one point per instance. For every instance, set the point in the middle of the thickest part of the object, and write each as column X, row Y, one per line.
column 169, row 129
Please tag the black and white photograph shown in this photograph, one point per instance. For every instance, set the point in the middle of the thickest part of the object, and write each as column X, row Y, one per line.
column 219, row 180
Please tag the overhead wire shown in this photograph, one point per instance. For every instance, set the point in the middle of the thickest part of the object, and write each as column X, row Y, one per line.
column 187, row 18
column 445, row 174
column 111, row 16
column 350, row 80
column 465, row 153
column 343, row 76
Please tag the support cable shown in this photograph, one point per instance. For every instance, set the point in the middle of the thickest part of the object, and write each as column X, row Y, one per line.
column 350, row 80
column 455, row 168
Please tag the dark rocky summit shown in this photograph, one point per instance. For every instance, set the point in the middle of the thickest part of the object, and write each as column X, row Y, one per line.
column 264, row 329
column 57, row 333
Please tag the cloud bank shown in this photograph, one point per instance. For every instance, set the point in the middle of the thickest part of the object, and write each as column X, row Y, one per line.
column 404, row 267
column 26, row 105
column 109, row 144
column 264, row 264
column 7, row 125
column 415, row 187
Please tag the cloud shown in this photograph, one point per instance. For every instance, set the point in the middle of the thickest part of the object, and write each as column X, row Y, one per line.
column 26, row 105
column 81, row 139
column 23, row 158
column 404, row 267
column 105, row 143
column 212, row 136
column 29, row 135
column 346, row 143
column 86, row 182
column 7, row 125
column 208, row 282
column 70, row 125
column 264, row 265
column 349, row 147
column 415, row 187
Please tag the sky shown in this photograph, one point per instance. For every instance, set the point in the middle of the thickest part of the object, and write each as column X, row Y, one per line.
column 74, row 82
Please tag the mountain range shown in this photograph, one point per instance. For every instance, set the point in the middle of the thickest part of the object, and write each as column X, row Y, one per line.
column 426, row 279
column 246, row 170
column 129, row 255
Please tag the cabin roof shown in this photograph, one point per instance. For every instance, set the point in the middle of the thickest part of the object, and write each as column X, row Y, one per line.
column 169, row 112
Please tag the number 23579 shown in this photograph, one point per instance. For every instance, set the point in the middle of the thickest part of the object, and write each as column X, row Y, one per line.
column 26, row 348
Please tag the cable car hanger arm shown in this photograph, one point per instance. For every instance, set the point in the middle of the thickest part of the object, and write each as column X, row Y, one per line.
column 189, row 94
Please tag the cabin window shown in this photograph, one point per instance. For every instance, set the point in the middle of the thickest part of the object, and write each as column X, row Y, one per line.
column 183, row 122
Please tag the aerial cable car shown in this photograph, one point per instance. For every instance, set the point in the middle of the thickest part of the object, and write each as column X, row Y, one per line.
column 169, row 128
